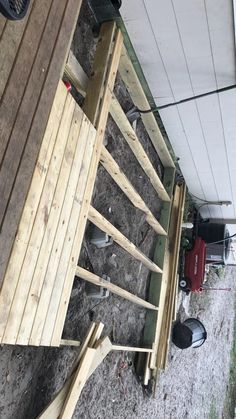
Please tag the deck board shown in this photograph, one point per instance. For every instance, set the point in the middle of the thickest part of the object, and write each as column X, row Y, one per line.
column 26, row 103
column 36, row 274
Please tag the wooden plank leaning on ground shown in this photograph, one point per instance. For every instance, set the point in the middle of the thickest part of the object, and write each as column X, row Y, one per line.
column 107, row 71
column 157, row 278
column 103, row 347
column 101, row 222
column 78, row 77
column 159, row 330
column 26, row 104
column 172, row 288
column 138, row 96
column 53, row 410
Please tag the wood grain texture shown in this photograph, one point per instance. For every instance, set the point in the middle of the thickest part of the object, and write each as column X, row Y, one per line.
column 32, row 137
column 138, row 96
column 133, row 142
column 101, row 282
column 101, row 222
column 110, row 71
column 122, row 181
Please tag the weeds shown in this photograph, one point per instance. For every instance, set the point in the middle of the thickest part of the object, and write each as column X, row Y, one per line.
column 212, row 413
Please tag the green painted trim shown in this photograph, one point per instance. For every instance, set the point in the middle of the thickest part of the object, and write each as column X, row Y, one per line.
column 159, row 255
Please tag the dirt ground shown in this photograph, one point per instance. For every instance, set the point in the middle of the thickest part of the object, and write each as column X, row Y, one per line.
column 195, row 380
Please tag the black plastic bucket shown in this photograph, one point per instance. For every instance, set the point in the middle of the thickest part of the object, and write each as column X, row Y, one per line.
column 190, row 333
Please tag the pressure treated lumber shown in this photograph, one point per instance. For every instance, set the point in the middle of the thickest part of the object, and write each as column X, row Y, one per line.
column 53, row 410
column 119, row 177
column 96, row 218
column 156, row 283
column 110, row 70
column 174, row 248
column 130, row 349
column 164, row 319
column 101, row 61
column 132, row 140
column 30, row 82
column 75, row 74
column 101, row 282
column 78, row 382
column 35, row 278
column 68, row 342
column 80, row 80
column 138, row 96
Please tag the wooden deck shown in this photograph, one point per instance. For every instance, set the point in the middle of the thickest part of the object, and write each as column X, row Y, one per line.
column 44, row 250
column 50, row 150
column 32, row 56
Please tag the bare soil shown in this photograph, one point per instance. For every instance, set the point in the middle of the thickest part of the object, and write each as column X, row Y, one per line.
column 195, row 379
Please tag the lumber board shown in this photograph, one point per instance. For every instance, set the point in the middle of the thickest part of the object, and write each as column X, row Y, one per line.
column 103, row 347
column 53, row 410
column 130, row 349
column 80, row 80
column 44, row 270
column 27, row 106
column 98, row 80
column 156, row 283
column 101, row 222
column 174, row 247
column 76, row 75
column 3, row 22
column 101, row 282
column 138, row 96
column 33, row 130
column 69, row 342
column 45, row 223
column 133, row 142
column 62, row 252
column 14, row 269
column 122, row 181
column 78, row 382
column 110, row 69
column 174, row 231
column 11, row 36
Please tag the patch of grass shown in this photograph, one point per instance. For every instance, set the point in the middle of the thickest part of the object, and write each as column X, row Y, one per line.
column 212, row 413
column 219, row 270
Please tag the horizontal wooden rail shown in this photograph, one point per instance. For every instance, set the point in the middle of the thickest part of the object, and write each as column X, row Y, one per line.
column 130, row 349
column 119, row 177
column 139, row 98
column 68, row 342
column 100, row 282
column 132, row 140
column 75, row 73
column 101, row 222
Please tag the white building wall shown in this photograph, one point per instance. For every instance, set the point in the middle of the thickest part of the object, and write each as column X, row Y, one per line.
column 187, row 48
